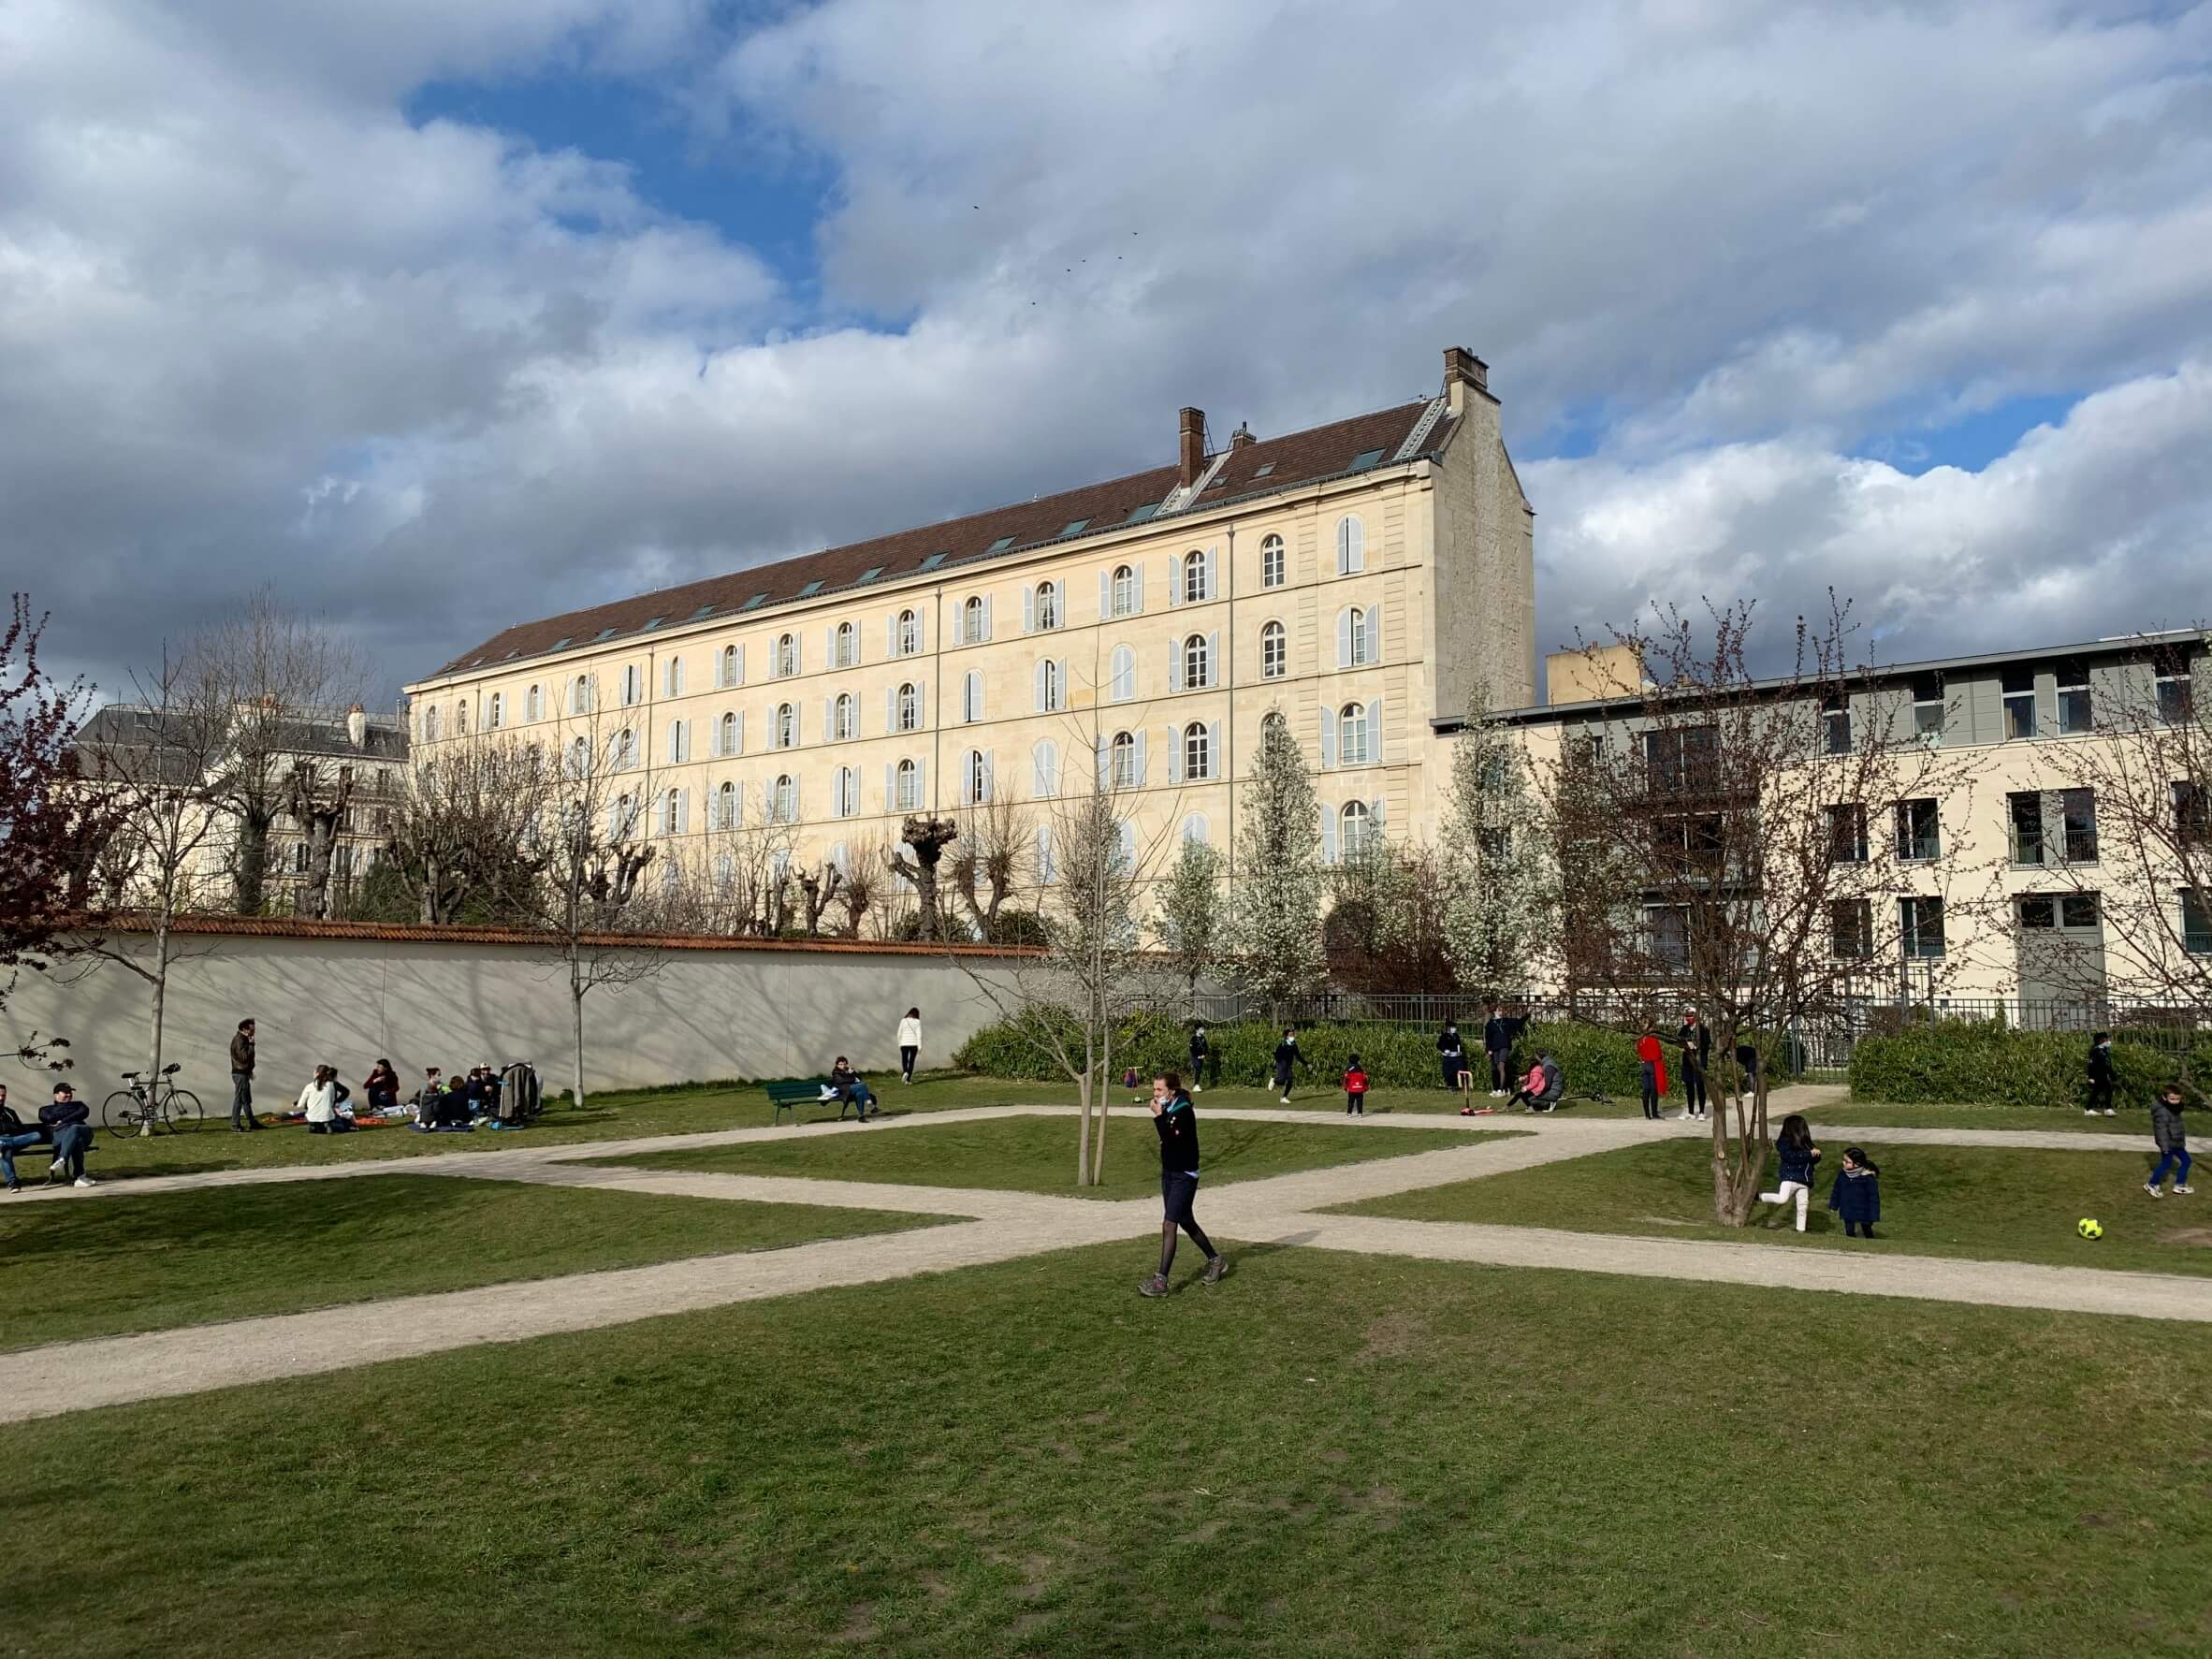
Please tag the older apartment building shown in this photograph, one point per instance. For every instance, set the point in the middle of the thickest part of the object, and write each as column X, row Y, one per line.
column 2014, row 878
column 1358, row 578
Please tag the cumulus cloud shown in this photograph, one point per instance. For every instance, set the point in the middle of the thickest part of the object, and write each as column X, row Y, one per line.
column 259, row 325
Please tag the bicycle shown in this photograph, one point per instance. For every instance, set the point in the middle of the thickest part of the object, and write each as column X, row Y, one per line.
column 161, row 1104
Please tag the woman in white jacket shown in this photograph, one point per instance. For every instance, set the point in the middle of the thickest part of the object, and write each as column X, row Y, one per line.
column 909, row 1043
column 320, row 1100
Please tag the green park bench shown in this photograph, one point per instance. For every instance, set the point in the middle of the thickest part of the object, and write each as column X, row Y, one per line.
column 792, row 1093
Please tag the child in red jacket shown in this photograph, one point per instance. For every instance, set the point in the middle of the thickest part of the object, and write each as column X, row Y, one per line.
column 1355, row 1090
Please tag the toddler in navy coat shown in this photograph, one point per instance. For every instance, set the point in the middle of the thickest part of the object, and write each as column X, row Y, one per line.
column 1857, row 1193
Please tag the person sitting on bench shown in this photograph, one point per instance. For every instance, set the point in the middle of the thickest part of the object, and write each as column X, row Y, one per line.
column 14, row 1136
column 67, row 1122
column 1542, row 1088
column 846, row 1087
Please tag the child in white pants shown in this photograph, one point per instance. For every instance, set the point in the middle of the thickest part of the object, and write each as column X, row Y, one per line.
column 1794, row 1156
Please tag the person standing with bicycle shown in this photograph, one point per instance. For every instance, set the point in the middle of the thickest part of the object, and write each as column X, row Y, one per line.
column 241, row 1078
column 67, row 1121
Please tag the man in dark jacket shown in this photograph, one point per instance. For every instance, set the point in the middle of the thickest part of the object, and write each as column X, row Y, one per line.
column 67, row 1122
column 1695, row 1041
column 1201, row 1054
column 241, row 1078
column 2099, row 1076
column 14, row 1136
column 1175, row 1119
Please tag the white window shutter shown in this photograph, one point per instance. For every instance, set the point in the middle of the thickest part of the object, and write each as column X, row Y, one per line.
column 921, row 631
column 1102, row 750
column 1067, row 695
column 1217, row 757
column 1028, row 610
column 1328, row 834
column 987, row 619
column 1037, row 689
column 1375, row 747
column 1344, row 637
column 922, row 783
column 1105, row 594
column 921, row 704
column 741, row 731
column 683, row 811
column 890, row 786
column 967, row 799
column 1375, row 648
column 1141, row 759
column 990, row 774
column 890, row 708
column 1211, row 588
column 1327, row 738
column 1174, row 579
column 1174, row 756
column 829, row 720
column 614, row 821
column 1175, row 665
column 1213, row 674
column 740, row 665
column 1137, row 581
column 891, row 634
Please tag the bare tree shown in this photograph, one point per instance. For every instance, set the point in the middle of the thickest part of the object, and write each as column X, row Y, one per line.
column 991, row 861
column 317, row 798
column 749, row 857
column 270, row 668
column 469, row 840
column 160, row 759
column 868, row 877
column 2125, row 838
column 921, row 843
column 818, row 889
column 1773, row 839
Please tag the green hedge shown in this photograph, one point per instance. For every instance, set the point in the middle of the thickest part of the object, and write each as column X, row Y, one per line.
column 1393, row 1056
column 1988, row 1063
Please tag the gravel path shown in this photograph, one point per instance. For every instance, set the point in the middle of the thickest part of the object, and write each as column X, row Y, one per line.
column 1004, row 1225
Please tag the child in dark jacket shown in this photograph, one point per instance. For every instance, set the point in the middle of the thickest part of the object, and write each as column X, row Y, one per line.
column 2172, row 1141
column 1794, row 1156
column 1857, row 1193
column 1355, row 1090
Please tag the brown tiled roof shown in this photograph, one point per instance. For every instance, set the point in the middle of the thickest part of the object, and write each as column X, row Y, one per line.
column 399, row 933
column 1295, row 458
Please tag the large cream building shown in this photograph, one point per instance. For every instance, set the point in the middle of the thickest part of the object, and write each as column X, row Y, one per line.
column 1360, row 577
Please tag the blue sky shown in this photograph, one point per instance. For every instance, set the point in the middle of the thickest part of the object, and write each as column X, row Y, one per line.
column 442, row 315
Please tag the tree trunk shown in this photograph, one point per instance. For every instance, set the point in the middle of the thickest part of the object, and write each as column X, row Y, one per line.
column 251, row 864
column 1083, row 1097
column 575, row 998
column 159, row 1013
column 1105, row 1107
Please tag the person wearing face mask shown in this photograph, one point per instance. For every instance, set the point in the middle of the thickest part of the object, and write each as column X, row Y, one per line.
column 1176, row 1120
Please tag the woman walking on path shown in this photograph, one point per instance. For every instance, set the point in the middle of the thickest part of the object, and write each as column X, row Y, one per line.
column 1794, row 1156
column 2173, row 1142
column 1176, row 1120
column 909, row 1043
column 1651, row 1057
column 1287, row 1056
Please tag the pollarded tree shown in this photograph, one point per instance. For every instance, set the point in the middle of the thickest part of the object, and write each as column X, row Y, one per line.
column 469, row 838
column 1192, row 922
column 1500, row 889
column 1276, row 922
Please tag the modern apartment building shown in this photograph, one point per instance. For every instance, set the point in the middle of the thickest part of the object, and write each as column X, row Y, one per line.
column 1358, row 578
column 2021, row 875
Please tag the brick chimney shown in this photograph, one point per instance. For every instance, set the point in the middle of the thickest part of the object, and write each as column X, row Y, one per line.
column 1191, row 457
column 1463, row 370
column 1241, row 436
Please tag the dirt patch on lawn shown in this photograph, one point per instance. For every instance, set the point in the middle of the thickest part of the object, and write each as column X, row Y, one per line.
column 2199, row 1236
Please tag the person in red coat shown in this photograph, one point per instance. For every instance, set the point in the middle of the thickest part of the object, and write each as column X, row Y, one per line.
column 1652, row 1058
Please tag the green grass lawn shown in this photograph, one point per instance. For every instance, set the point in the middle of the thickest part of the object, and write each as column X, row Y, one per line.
column 1038, row 1153
column 105, row 1266
column 614, row 1115
column 1326, row 1456
column 1993, row 1203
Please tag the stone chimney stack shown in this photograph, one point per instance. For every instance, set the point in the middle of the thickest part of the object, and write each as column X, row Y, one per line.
column 1241, row 437
column 1464, row 371
column 356, row 726
column 1191, row 457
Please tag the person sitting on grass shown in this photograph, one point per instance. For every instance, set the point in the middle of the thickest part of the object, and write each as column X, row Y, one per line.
column 381, row 1089
column 846, row 1087
column 2172, row 1141
column 1542, row 1089
column 443, row 1110
column 1794, row 1156
column 319, row 1100
column 67, row 1122
column 1857, row 1193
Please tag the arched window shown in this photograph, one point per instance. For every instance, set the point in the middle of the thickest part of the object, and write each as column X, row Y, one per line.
column 971, row 622
column 1122, row 675
column 725, row 871
column 1273, row 719
column 787, row 725
column 1274, row 651
column 497, row 712
column 1045, row 770
column 579, row 694
column 845, row 797
column 624, row 818
column 976, row 776
column 1272, row 570
column 533, row 703
column 848, row 718
column 847, row 645
column 1125, row 592
column 671, row 814
column 1352, row 735
column 1361, row 641
column 786, row 799
column 580, row 759
column 1197, row 663
column 730, row 667
column 727, row 740
column 625, row 750
column 971, row 695
column 1051, row 687
column 1354, row 826
column 910, row 707
column 672, row 677
column 787, row 654
column 909, row 787
column 1351, row 545
column 1197, row 752
column 725, row 808
column 909, row 634
column 1048, row 605
column 633, row 685
column 429, row 724
column 1195, row 828
column 1124, row 755
column 1195, row 586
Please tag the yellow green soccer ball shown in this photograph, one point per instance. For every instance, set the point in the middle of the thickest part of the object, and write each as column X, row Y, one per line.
column 2089, row 1227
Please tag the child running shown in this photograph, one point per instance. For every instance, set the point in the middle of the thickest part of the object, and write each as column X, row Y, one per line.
column 1176, row 1120
column 2172, row 1141
column 1355, row 1090
column 1286, row 1058
column 1857, row 1194
column 1794, row 1156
